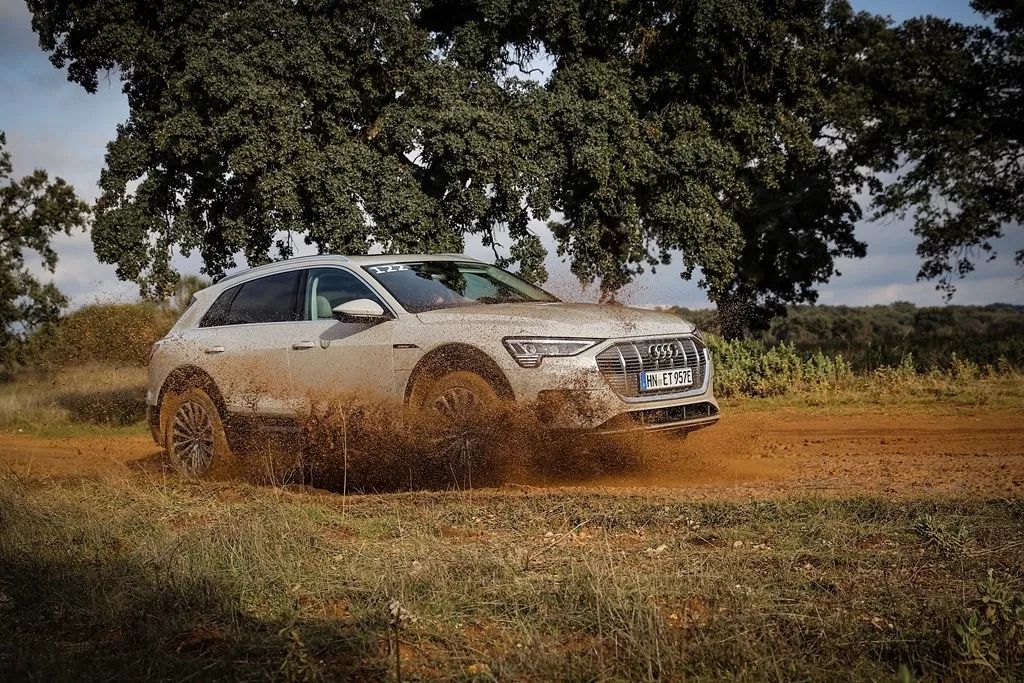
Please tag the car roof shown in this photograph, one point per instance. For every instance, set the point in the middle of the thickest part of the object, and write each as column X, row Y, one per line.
column 331, row 259
column 374, row 259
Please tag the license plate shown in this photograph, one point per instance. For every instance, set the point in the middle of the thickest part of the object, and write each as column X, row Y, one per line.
column 666, row 379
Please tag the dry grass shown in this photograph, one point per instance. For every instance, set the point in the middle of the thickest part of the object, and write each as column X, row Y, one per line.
column 891, row 388
column 87, row 398
column 98, row 398
column 166, row 579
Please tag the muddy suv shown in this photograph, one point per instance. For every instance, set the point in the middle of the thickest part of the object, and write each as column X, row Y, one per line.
column 443, row 333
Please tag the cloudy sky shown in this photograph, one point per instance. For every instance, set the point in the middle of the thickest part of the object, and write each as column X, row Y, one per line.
column 55, row 125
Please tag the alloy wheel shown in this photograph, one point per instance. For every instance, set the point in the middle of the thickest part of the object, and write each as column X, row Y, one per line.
column 192, row 438
column 456, row 402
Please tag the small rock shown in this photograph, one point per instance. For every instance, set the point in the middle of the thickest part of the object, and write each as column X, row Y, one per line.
column 737, row 544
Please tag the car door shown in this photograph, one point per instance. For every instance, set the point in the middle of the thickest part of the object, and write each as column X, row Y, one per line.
column 330, row 357
column 243, row 343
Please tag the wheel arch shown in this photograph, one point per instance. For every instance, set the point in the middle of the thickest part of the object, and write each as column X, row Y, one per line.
column 456, row 356
column 190, row 377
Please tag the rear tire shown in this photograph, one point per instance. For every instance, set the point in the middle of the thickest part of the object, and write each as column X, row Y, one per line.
column 193, row 434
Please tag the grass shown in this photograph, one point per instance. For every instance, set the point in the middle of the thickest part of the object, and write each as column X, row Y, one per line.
column 91, row 399
column 890, row 388
column 164, row 579
column 147, row 576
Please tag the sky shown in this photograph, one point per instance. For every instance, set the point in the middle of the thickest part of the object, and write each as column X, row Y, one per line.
column 55, row 125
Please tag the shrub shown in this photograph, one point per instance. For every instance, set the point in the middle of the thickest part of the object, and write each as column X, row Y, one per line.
column 749, row 367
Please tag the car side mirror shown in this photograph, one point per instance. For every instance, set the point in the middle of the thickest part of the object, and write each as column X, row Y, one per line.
column 363, row 310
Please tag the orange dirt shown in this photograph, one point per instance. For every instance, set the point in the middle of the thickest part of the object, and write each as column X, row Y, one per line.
column 910, row 454
column 748, row 453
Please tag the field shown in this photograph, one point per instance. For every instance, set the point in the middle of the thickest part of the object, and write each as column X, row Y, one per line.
column 869, row 532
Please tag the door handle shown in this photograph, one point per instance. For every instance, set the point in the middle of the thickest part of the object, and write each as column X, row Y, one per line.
column 303, row 345
column 215, row 349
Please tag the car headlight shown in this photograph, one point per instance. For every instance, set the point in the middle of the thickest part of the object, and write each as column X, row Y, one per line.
column 528, row 351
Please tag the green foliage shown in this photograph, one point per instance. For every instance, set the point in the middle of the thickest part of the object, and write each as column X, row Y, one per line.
column 32, row 211
column 949, row 102
column 348, row 125
column 949, row 541
column 696, row 126
column 992, row 635
column 748, row 367
column 870, row 337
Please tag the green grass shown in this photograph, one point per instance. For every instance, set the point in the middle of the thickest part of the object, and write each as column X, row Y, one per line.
column 165, row 579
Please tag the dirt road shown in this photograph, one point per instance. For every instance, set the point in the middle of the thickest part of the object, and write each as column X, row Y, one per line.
column 748, row 453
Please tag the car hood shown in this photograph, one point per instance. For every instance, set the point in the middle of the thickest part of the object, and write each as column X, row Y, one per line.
column 560, row 319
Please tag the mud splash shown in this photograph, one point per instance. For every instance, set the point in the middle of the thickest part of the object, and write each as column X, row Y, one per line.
column 359, row 442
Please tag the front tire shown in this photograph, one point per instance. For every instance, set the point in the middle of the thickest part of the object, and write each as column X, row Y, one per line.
column 455, row 395
column 194, row 435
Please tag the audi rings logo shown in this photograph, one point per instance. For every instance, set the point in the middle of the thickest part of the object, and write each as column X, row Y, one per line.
column 660, row 352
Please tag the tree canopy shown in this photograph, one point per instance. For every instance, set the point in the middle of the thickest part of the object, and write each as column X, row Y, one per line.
column 32, row 210
column 735, row 133
column 950, row 126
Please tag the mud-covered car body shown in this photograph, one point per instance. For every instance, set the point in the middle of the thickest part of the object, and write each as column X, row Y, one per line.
column 582, row 366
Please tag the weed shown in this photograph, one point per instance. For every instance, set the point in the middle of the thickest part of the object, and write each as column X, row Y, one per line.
column 991, row 636
column 950, row 541
column 299, row 666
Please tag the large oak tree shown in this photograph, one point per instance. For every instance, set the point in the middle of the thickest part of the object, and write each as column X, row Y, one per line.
column 735, row 133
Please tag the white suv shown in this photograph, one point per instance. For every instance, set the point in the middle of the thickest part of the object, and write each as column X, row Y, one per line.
column 440, row 332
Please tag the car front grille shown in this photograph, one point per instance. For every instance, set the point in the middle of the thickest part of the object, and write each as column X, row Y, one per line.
column 622, row 363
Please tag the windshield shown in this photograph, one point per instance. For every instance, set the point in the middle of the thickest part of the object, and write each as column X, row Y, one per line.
column 431, row 285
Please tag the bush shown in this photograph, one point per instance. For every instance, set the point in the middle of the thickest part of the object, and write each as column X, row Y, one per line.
column 749, row 367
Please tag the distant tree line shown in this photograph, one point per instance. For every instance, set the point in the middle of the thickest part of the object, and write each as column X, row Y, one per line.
column 873, row 336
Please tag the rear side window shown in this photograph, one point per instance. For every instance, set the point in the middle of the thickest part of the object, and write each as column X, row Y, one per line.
column 218, row 313
column 268, row 299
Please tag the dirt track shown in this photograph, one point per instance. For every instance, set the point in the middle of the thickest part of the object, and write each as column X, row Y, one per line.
column 748, row 453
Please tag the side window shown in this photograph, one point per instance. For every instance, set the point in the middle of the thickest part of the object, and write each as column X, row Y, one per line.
column 328, row 287
column 479, row 287
column 218, row 312
column 268, row 299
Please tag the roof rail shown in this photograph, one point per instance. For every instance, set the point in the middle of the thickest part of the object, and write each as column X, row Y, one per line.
column 298, row 260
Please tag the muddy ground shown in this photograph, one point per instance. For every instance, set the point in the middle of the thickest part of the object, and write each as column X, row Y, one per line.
column 749, row 453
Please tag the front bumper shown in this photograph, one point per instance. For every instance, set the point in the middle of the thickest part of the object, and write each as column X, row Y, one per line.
column 685, row 418
column 572, row 393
